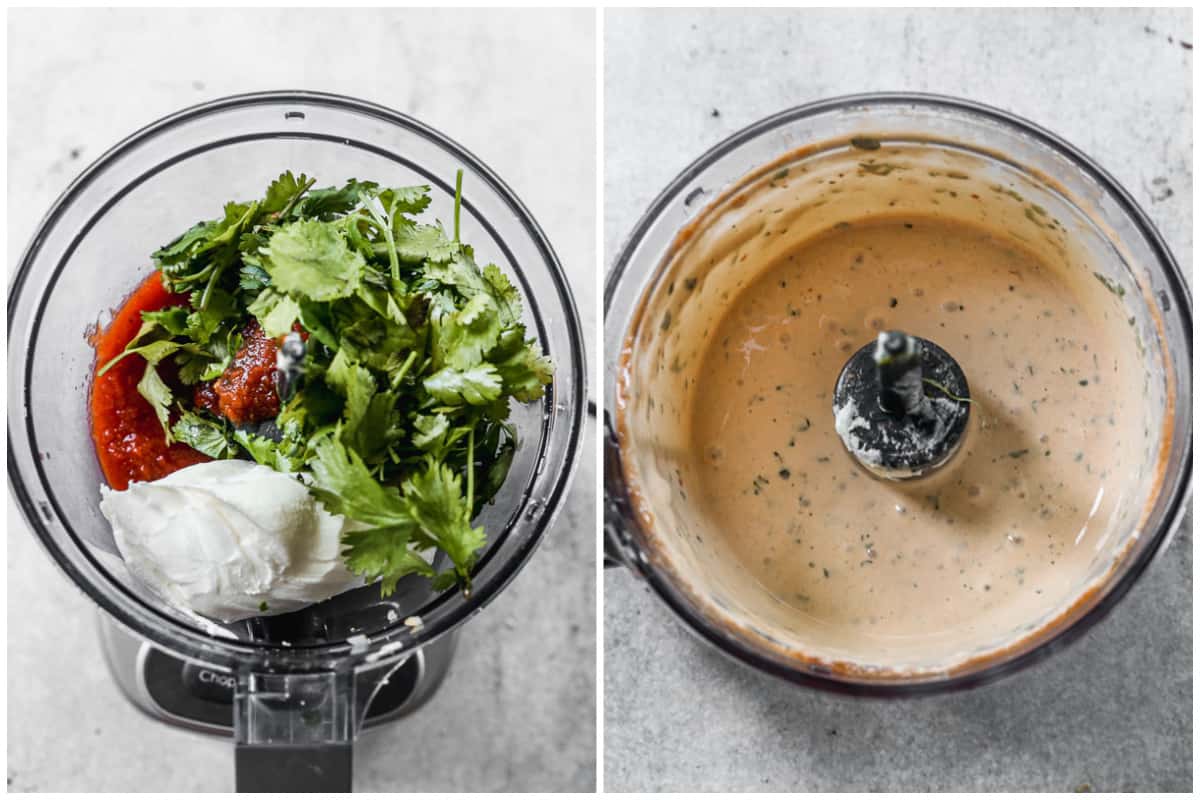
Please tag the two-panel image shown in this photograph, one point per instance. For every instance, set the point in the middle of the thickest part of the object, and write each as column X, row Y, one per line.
column 599, row 400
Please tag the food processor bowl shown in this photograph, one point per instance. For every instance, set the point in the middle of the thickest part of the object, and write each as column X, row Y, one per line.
column 296, row 694
column 947, row 154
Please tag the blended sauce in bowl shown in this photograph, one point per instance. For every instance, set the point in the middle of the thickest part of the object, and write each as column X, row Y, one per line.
column 976, row 544
column 728, row 425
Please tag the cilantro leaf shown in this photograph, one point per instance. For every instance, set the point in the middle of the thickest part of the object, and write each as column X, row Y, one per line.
column 478, row 385
column 383, row 554
column 355, row 384
column 417, row 243
column 198, row 258
column 378, row 428
column 159, row 396
column 430, row 432
column 507, row 298
column 206, row 320
column 459, row 273
column 405, row 200
column 173, row 320
column 523, row 370
column 284, row 456
column 205, row 435
column 284, row 192
column 435, row 501
column 432, row 508
column 154, row 351
column 193, row 366
column 368, row 337
column 498, row 470
column 344, row 484
column 252, row 277
column 275, row 312
column 181, row 248
column 462, row 338
column 311, row 259
column 326, row 204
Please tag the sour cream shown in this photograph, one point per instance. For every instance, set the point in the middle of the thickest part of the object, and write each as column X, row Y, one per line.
column 230, row 540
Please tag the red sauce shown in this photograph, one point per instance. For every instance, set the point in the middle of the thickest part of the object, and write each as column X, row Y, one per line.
column 129, row 440
column 245, row 392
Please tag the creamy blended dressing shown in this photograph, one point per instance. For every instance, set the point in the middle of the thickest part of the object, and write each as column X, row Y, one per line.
column 726, row 414
column 978, row 543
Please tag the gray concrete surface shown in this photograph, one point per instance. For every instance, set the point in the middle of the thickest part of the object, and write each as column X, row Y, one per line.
column 1111, row 713
column 516, row 87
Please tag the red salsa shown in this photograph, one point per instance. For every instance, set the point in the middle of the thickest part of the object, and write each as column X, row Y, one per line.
column 128, row 436
column 129, row 439
column 245, row 393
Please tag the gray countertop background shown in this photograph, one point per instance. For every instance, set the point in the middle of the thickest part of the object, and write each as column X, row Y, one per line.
column 517, row 88
column 1114, row 711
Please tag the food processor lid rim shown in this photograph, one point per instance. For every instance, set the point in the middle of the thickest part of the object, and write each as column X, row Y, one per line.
column 732, row 646
column 202, row 643
column 330, row 99
column 1173, row 273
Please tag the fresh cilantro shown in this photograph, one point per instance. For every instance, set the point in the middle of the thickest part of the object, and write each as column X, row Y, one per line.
column 344, row 484
column 412, row 353
column 311, row 259
column 478, row 385
column 149, row 344
column 173, row 320
column 462, row 338
column 523, row 370
column 252, row 276
column 329, row 203
column 384, row 554
column 159, row 396
column 275, row 312
column 283, row 456
column 284, row 192
column 203, row 434
column 208, row 317
column 501, row 462
column 356, row 385
column 430, row 432
column 405, row 200
column 418, row 243
column 437, row 504
column 504, row 293
column 153, row 352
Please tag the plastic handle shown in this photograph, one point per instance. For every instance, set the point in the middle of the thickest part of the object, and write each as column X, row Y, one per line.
column 294, row 732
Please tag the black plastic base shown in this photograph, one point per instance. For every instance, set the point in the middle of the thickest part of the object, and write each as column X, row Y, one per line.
column 294, row 768
column 901, row 446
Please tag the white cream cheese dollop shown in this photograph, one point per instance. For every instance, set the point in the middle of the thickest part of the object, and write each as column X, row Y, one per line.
column 230, row 540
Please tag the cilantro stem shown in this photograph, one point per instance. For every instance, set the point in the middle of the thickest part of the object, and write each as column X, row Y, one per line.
column 227, row 241
column 296, row 198
column 208, row 287
column 385, row 227
column 408, row 362
column 457, row 201
column 946, row 391
column 471, row 469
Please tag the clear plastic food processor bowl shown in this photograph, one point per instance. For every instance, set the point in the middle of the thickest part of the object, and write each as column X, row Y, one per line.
column 295, row 673
column 1022, row 174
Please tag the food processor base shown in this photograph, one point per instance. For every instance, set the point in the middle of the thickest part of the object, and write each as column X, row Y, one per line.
column 199, row 696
